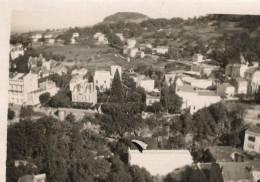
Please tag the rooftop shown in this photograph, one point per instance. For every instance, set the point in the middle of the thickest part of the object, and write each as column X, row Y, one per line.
column 224, row 153
column 207, row 93
column 254, row 129
column 186, row 88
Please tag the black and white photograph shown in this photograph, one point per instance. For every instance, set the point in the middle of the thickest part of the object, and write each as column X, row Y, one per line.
column 130, row 91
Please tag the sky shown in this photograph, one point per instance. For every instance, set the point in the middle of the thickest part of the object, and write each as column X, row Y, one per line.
column 29, row 15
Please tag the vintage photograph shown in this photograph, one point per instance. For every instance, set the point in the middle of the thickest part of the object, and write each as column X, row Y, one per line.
column 134, row 91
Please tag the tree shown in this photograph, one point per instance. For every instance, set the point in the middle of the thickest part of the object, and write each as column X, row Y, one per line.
column 61, row 99
column 174, row 102
column 44, row 98
column 11, row 114
column 26, row 111
column 156, row 107
column 117, row 93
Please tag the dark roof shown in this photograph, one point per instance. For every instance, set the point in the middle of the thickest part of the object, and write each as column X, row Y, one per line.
column 207, row 93
column 223, row 153
column 254, row 129
column 186, row 88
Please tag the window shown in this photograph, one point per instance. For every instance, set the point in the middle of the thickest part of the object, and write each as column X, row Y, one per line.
column 251, row 138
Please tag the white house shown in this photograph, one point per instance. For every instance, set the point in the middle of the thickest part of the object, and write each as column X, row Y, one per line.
column 226, row 90
column 131, row 43
column 75, row 35
column 194, row 99
column 84, row 92
column 204, row 69
column 51, row 41
column 97, row 35
column 241, row 85
column 132, row 52
column 36, row 37
column 48, row 36
column 33, row 178
column 198, row 58
column 102, row 80
column 145, row 82
column 76, row 79
column 16, row 51
column 160, row 162
column 252, row 75
column 162, row 49
column 236, row 70
column 252, row 139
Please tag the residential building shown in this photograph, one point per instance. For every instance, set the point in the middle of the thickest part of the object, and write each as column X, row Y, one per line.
column 47, row 86
column 102, row 80
column 252, row 140
column 76, row 79
column 252, row 75
column 125, row 50
column 150, row 99
column 169, row 78
column 20, row 85
column 198, row 83
column 204, row 69
column 145, row 82
column 235, row 70
column 226, row 90
column 198, row 58
column 16, row 51
column 131, row 43
column 59, row 69
column 194, row 99
column 113, row 69
column 33, row 178
column 33, row 61
column 97, row 35
column 51, row 41
column 235, row 172
column 132, row 52
column 160, row 162
column 140, row 54
column 162, row 49
column 72, row 41
column 48, row 36
column 75, row 35
column 36, row 37
column 84, row 92
column 142, row 47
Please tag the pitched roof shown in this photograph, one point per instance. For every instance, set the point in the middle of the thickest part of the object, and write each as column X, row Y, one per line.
column 223, row 153
column 254, row 129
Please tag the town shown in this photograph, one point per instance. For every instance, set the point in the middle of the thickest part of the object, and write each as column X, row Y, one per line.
column 156, row 100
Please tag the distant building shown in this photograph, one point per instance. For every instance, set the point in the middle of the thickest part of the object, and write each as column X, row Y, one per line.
column 97, row 35
column 169, row 78
column 235, row 171
column 131, row 43
column 241, row 85
column 16, row 51
column 226, row 90
column 252, row 75
column 160, row 162
column 36, row 37
column 194, row 99
column 75, row 35
column 48, row 36
column 51, row 41
column 252, row 140
column 198, row 83
column 235, row 70
column 145, row 82
column 162, row 49
column 198, row 58
column 19, row 87
column 81, row 71
column 204, row 69
column 33, row 178
column 142, row 47
column 140, row 54
column 59, row 69
column 84, row 92
column 151, row 99
column 102, row 80
column 132, row 52
column 120, row 35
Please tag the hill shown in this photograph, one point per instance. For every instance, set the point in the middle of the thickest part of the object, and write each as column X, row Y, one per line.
column 125, row 16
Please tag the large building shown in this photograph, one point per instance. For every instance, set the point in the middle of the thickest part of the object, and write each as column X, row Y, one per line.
column 204, row 69
column 145, row 82
column 84, row 92
column 252, row 140
column 162, row 49
column 160, row 162
column 20, row 85
column 16, row 51
column 235, row 70
column 102, row 80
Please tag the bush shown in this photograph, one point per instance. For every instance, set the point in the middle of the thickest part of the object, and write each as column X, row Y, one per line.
column 11, row 114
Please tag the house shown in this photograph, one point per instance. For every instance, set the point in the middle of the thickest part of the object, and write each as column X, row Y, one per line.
column 226, row 90
column 16, row 51
column 142, row 47
column 76, row 79
column 48, row 36
column 120, row 35
column 235, row 171
column 59, row 69
column 194, row 99
column 150, row 99
column 97, row 35
column 197, row 58
column 145, row 82
column 235, row 70
column 33, row 178
column 252, row 75
column 132, row 52
column 84, row 92
column 198, row 83
column 140, row 54
column 162, row 49
column 252, row 140
column 36, row 37
column 72, row 41
column 81, row 71
column 19, row 87
column 204, row 69
column 169, row 78
column 75, row 35
column 241, row 85
column 33, row 61
column 51, row 41
column 113, row 69
column 102, row 80
column 226, row 154
column 47, row 86
column 125, row 49
column 159, row 162
column 131, row 43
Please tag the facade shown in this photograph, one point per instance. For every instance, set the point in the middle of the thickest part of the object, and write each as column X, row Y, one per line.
column 131, row 43
column 51, row 41
column 162, row 49
column 252, row 140
column 102, row 80
column 241, row 86
column 146, row 83
column 226, row 90
column 198, row 58
column 160, row 162
column 151, row 99
column 252, row 75
column 194, row 99
column 84, row 92
column 16, row 51
column 19, row 87
column 203, row 69
column 132, row 52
